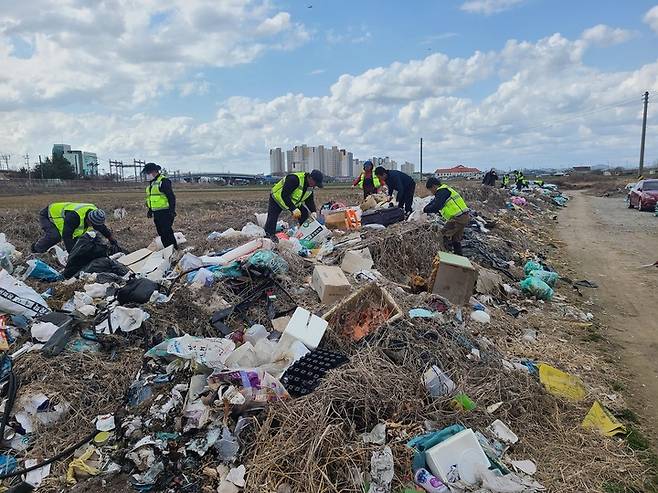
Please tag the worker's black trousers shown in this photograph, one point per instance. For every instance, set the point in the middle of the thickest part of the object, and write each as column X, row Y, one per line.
column 273, row 212
column 164, row 222
column 406, row 199
column 50, row 235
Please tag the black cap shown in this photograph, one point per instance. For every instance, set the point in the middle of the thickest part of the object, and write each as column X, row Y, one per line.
column 150, row 167
column 368, row 164
column 318, row 177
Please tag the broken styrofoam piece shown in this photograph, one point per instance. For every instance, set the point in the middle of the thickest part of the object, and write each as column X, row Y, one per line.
column 239, row 253
column 481, row 317
column 236, row 476
column 457, row 458
column 525, row 466
column 502, row 432
column 306, row 328
column 43, row 331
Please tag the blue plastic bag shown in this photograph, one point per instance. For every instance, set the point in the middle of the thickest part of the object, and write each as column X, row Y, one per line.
column 548, row 277
column 37, row 269
column 267, row 259
column 537, row 288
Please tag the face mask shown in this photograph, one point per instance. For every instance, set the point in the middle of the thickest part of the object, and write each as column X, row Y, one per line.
column 150, row 176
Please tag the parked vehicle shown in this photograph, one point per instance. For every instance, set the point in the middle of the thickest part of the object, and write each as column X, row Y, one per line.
column 644, row 195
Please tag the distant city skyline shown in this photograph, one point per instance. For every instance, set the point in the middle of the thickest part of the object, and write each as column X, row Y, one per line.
column 212, row 85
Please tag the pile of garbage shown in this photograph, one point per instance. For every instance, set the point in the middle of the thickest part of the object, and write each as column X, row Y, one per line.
column 346, row 357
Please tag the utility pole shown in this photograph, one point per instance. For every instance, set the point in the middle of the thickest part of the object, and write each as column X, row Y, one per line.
column 41, row 166
column 421, row 159
column 27, row 166
column 644, row 133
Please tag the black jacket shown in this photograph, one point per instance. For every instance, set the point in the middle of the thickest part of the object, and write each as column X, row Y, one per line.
column 399, row 181
column 440, row 198
column 168, row 190
column 290, row 184
column 71, row 222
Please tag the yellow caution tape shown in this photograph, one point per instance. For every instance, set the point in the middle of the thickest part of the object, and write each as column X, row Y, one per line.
column 560, row 383
column 600, row 418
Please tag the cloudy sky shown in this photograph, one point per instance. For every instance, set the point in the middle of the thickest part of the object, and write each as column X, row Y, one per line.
column 213, row 84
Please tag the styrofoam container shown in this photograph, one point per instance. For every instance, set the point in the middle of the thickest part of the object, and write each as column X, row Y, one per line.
column 460, row 453
column 306, row 328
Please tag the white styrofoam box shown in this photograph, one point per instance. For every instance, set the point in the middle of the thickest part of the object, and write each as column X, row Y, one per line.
column 306, row 328
column 460, row 453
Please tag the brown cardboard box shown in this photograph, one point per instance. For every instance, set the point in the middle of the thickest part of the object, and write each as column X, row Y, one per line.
column 356, row 260
column 335, row 220
column 330, row 283
column 454, row 278
column 369, row 203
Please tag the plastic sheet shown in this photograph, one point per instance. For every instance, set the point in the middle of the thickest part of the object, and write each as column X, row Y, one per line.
column 38, row 269
column 548, row 277
column 268, row 260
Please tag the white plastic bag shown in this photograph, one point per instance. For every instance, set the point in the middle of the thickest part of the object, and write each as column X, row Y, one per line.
column 43, row 331
column 253, row 231
column 61, row 254
column 16, row 298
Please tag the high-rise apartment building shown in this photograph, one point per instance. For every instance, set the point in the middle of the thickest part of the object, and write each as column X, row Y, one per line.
column 408, row 168
column 277, row 163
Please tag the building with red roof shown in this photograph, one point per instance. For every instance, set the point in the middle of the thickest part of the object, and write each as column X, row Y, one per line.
column 458, row 171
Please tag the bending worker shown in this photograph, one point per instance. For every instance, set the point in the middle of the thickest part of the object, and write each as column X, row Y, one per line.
column 453, row 209
column 367, row 180
column 161, row 203
column 506, row 181
column 402, row 183
column 294, row 193
column 68, row 221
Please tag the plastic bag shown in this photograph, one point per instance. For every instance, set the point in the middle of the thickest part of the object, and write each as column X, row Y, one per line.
column 7, row 252
column 16, row 298
column 252, row 230
column 38, row 269
column 189, row 262
column 538, row 288
column 268, row 260
column 548, row 277
column 61, row 254
column 531, row 265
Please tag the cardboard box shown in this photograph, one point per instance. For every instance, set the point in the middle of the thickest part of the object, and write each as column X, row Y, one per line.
column 369, row 203
column 330, row 283
column 454, row 278
column 311, row 230
column 356, row 260
column 306, row 328
column 335, row 220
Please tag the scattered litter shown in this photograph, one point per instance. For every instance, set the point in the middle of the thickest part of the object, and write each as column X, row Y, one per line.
column 525, row 466
column 422, row 313
column 560, row 383
column 601, row 419
column 437, row 383
column 481, row 317
column 38, row 269
column 377, row 435
column 500, row 431
column 43, row 331
column 381, row 471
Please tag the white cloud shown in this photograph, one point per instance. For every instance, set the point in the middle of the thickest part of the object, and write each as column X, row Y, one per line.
column 126, row 52
column 317, row 71
column 651, row 18
column 605, row 35
column 351, row 35
column 538, row 103
column 488, row 7
column 438, row 37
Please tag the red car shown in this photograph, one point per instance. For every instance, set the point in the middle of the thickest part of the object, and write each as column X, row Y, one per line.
column 644, row 195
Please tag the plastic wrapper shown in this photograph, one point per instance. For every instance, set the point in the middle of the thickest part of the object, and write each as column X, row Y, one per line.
column 531, row 265
column 253, row 230
column 38, row 269
column 548, row 277
column 538, row 288
column 257, row 386
column 268, row 260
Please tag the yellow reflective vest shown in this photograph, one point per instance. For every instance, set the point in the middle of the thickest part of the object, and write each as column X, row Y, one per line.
column 298, row 196
column 454, row 206
column 375, row 180
column 155, row 199
column 57, row 210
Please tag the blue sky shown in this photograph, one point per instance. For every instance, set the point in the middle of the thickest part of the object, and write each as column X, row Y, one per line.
column 205, row 84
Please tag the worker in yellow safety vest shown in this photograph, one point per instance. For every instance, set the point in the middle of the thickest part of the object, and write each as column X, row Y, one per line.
column 367, row 180
column 68, row 221
column 453, row 209
column 294, row 193
column 161, row 203
column 506, row 181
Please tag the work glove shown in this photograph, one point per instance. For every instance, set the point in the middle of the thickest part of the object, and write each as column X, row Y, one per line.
column 149, row 214
column 297, row 213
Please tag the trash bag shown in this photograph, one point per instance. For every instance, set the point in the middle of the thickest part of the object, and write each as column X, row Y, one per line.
column 536, row 287
column 531, row 265
column 267, row 260
column 17, row 298
column 136, row 291
column 549, row 278
column 38, row 269
column 87, row 248
column 105, row 265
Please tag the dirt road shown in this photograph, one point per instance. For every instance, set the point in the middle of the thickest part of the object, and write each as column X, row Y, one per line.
column 607, row 243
